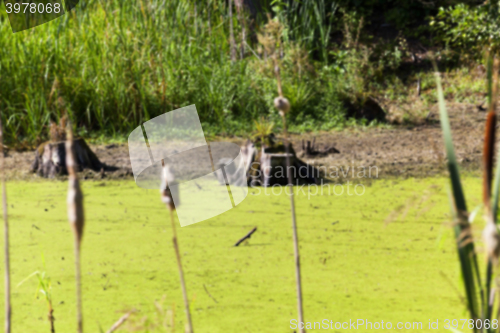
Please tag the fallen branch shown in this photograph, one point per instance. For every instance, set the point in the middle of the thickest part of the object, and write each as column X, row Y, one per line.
column 246, row 236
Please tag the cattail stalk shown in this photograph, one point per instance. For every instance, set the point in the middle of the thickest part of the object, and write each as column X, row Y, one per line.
column 166, row 197
column 283, row 105
column 491, row 235
column 76, row 218
column 8, row 307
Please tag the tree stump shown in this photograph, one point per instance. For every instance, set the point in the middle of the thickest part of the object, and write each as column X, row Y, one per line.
column 267, row 166
column 50, row 158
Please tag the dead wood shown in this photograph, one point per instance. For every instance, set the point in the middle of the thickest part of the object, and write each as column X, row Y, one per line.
column 247, row 236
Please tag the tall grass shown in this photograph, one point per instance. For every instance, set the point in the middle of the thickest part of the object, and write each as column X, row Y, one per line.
column 113, row 64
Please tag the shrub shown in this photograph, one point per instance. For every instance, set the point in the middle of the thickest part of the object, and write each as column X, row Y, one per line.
column 469, row 28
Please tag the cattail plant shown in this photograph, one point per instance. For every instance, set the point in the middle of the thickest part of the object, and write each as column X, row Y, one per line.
column 166, row 198
column 75, row 217
column 480, row 296
column 271, row 41
column 8, row 307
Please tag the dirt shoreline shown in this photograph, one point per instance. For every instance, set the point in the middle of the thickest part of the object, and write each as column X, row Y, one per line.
column 402, row 151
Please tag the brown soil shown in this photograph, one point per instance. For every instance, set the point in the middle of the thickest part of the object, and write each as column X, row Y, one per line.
column 415, row 151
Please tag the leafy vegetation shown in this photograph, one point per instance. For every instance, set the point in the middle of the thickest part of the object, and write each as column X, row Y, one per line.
column 469, row 28
column 114, row 64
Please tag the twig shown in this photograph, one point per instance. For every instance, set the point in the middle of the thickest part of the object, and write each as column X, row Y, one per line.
column 209, row 294
column 119, row 322
column 8, row 308
column 76, row 218
column 246, row 236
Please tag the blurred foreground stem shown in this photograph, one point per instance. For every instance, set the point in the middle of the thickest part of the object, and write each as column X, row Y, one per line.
column 8, row 308
column 283, row 105
column 181, row 273
column 76, row 218
column 167, row 199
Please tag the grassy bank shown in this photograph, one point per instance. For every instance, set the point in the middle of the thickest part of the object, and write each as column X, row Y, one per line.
column 391, row 259
column 113, row 64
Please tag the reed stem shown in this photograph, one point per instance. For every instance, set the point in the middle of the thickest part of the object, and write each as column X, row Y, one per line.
column 51, row 319
column 283, row 111
column 294, row 227
column 181, row 273
column 78, row 280
column 76, row 219
column 8, row 307
column 232, row 43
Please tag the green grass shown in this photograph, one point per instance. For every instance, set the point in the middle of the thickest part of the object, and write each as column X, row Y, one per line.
column 359, row 268
column 114, row 64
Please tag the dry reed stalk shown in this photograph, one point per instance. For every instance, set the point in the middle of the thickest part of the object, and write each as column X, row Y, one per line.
column 232, row 42
column 75, row 217
column 119, row 322
column 283, row 105
column 241, row 20
column 491, row 235
column 52, row 319
column 166, row 198
column 8, row 307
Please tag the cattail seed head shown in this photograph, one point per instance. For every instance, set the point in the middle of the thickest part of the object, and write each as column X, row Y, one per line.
column 75, row 208
column 492, row 240
column 75, row 195
column 166, row 195
column 282, row 104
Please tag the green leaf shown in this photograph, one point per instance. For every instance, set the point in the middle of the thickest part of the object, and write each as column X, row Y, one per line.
column 466, row 253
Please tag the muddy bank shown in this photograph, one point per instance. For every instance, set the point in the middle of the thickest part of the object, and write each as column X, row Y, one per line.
column 401, row 151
